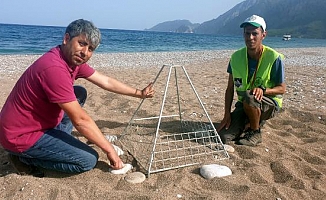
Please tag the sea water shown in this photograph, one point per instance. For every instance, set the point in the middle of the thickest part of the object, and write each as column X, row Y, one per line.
column 30, row 39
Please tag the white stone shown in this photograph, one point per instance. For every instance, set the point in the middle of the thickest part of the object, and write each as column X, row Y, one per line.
column 135, row 177
column 228, row 148
column 123, row 170
column 213, row 170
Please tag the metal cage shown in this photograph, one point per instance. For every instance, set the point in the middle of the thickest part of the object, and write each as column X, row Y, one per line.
column 174, row 132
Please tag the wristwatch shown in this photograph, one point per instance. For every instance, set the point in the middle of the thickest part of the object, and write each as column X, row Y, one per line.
column 263, row 88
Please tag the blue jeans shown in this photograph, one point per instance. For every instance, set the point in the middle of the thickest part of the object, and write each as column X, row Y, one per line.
column 58, row 150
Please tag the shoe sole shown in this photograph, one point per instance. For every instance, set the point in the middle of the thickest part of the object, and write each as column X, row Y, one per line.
column 248, row 143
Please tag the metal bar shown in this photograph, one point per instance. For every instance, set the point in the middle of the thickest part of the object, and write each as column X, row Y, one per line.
column 160, row 118
column 178, row 94
column 139, row 119
column 202, row 105
column 175, row 150
column 158, row 74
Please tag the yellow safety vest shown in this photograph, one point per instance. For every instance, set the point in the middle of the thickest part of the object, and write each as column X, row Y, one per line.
column 240, row 68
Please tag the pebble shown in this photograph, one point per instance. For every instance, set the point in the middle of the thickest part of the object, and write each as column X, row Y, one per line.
column 213, row 170
column 296, row 57
column 228, row 148
column 135, row 177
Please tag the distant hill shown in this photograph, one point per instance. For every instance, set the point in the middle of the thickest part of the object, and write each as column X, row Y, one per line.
column 300, row 18
column 177, row 26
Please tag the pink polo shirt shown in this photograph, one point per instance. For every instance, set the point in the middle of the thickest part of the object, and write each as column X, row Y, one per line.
column 32, row 106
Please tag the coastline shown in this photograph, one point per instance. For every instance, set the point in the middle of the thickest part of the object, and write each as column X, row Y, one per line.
column 289, row 164
column 311, row 56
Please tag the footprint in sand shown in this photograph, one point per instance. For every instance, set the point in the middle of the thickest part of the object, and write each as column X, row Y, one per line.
column 310, row 158
column 282, row 175
column 246, row 152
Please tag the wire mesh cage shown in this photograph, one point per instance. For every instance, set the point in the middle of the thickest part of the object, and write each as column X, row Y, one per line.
column 173, row 129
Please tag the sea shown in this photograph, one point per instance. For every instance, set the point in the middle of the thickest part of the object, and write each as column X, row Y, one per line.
column 32, row 39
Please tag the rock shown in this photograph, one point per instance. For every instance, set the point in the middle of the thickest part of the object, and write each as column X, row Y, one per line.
column 228, row 148
column 214, row 170
column 123, row 170
column 135, row 177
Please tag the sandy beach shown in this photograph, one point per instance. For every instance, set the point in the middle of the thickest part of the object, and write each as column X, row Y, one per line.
column 290, row 163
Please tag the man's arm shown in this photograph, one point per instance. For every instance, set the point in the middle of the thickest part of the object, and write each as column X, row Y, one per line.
column 278, row 77
column 118, row 87
column 278, row 89
column 87, row 127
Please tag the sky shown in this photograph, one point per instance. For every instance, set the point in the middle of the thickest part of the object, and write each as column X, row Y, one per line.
column 111, row 14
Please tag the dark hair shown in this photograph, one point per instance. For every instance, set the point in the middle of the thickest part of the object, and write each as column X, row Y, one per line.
column 87, row 28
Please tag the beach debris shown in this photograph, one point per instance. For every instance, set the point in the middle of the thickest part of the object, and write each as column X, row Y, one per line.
column 228, row 148
column 213, row 170
column 179, row 196
column 123, row 170
column 135, row 177
column 21, row 189
column 111, row 138
column 118, row 150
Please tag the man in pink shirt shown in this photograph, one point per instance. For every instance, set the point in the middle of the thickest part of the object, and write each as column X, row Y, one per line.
column 37, row 119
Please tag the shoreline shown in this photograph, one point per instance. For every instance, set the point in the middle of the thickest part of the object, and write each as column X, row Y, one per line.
column 312, row 56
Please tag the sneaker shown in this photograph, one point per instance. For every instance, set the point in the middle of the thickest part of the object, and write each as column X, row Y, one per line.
column 247, row 125
column 22, row 168
column 251, row 138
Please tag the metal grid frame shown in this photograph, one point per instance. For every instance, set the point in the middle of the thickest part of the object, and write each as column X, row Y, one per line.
column 166, row 141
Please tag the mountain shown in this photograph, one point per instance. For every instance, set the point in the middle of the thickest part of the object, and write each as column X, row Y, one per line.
column 177, row 26
column 300, row 18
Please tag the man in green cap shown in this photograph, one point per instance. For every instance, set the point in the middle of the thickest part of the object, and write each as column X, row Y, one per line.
column 257, row 74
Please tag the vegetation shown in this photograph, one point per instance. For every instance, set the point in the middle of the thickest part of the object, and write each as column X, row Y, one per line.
column 299, row 18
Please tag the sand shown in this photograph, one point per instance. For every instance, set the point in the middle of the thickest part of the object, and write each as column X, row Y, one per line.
column 290, row 163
